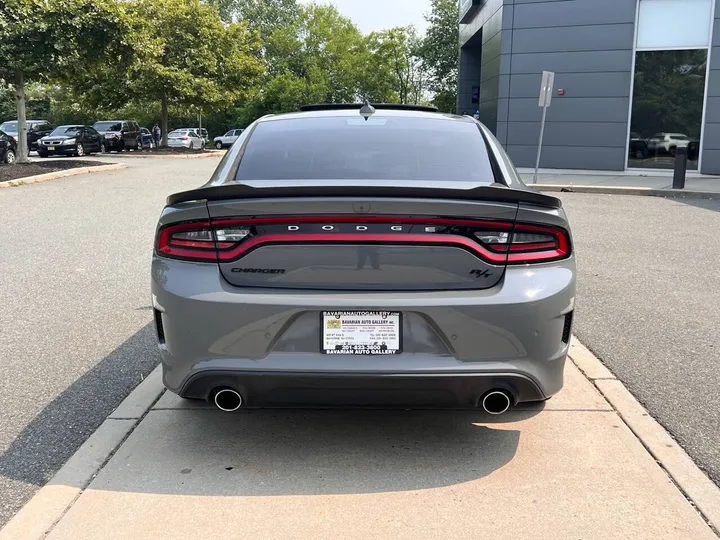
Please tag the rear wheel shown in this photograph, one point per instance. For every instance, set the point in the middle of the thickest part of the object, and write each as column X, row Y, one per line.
column 10, row 156
column 139, row 146
column 79, row 150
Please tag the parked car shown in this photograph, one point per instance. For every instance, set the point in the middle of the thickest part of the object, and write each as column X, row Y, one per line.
column 228, row 139
column 368, row 258
column 36, row 130
column 200, row 131
column 119, row 135
column 8, row 148
column 73, row 140
column 146, row 137
column 638, row 148
column 185, row 138
column 667, row 142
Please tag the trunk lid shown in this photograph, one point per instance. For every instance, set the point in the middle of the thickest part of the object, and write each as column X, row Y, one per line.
column 378, row 236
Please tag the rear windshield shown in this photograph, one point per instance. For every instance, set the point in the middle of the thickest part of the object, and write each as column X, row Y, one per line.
column 9, row 126
column 107, row 126
column 390, row 148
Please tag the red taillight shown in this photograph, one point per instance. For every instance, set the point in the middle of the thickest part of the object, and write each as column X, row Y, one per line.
column 528, row 243
column 497, row 242
column 191, row 241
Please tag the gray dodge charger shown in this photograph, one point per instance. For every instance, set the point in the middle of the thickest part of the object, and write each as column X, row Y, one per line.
column 364, row 255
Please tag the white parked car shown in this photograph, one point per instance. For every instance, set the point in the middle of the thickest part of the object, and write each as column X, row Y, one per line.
column 186, row 138
column 228, row 139
column 667, row 142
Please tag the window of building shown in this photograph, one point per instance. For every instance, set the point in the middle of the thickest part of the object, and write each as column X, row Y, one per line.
column 669, row 82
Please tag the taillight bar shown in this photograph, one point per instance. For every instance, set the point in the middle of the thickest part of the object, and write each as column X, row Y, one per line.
column 497, row 242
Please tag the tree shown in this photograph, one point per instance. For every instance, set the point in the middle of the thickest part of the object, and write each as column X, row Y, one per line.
column 440, row 52
column 265, row 16
column 188, row 56
column 54, row 39
column 397, row 53
column 317, row 59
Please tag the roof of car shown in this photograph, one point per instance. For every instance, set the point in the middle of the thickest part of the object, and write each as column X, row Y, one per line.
column 70, row 126
column 355, row 112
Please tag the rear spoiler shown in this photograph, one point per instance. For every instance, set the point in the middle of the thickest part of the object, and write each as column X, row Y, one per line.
column 481, row 193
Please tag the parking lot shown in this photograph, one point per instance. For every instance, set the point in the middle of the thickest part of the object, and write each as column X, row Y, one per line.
column 76, row 338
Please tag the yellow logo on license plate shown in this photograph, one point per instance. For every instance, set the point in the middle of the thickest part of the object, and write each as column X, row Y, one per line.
column 334, row 323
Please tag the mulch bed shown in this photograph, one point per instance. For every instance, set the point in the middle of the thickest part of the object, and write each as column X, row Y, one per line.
column 22, row 170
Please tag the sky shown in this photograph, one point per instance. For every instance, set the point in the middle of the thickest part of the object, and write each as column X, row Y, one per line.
column 371, row 15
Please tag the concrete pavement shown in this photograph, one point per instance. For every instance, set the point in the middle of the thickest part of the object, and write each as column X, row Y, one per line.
column 605, row 179
column 569, row 468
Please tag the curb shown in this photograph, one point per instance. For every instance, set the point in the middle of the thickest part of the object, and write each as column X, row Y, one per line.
column 624, row 190
column 36, row 519
column 692, row 482
column 60, row 174
column 206, row 154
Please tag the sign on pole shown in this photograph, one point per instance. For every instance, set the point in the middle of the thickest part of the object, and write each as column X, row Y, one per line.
column 546, row 92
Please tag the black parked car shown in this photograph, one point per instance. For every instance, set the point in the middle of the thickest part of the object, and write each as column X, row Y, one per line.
column 36, row 130
column 70, row 141
column 8, row 148
column 119, row 135
column 638, row 148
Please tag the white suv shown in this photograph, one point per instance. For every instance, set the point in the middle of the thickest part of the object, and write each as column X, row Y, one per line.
column 667, row 142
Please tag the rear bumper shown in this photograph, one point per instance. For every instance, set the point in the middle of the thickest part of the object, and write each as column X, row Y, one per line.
column 457, row 344
column 267, row 389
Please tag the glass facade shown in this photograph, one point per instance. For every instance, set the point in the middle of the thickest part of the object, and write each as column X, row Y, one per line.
column 668, row 98
column 667, row 107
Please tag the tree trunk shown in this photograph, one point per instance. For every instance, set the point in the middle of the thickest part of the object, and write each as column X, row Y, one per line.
column 22, row 142
column 164, row 120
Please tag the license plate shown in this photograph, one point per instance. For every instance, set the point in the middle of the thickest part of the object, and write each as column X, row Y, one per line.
column 51, row 148
column 361, row 332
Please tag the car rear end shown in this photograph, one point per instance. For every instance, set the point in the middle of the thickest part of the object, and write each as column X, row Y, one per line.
column 179, row 139
column 338, row 260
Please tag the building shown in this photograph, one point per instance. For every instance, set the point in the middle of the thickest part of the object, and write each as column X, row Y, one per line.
column 635, row 79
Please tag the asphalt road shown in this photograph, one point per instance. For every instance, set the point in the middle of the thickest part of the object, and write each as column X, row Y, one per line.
column 649, row 307
column 75, row 321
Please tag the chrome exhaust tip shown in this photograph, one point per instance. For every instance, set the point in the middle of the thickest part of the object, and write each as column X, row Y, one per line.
column 228, row 400
column 496, row 402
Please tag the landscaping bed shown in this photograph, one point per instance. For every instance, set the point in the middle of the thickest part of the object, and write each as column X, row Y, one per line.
column 18, row 171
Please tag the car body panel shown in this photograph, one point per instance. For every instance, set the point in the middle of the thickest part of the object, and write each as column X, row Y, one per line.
column 254, row 322
column 176, row 140
column 7, row 144
column 36, row 129
column 119, row 134
column 58, row 143
column 229, row 138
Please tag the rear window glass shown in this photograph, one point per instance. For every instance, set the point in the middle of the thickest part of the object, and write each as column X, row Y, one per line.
column 346, row 148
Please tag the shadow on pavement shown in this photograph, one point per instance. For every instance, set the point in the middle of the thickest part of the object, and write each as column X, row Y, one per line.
column 57, row 431
column 705, row 204
column 308, row 452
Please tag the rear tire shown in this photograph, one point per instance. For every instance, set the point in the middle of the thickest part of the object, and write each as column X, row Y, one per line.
column 10, row 156
column 139, row 146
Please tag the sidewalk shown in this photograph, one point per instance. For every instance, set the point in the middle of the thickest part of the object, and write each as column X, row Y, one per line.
column 567, row 469
column 597, row 180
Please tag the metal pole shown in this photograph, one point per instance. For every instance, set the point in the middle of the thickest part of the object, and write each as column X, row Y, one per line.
column 680, row 168
column 542, row 133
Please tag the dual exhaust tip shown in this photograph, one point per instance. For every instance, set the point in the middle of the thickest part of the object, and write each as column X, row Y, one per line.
column 494, row 402
column 228, row 400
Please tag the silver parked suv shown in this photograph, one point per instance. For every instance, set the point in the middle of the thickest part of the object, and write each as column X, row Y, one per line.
column 364, row 255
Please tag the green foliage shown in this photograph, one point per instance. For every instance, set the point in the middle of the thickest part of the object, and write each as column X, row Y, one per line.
column 395, row 54
column 440, row 52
